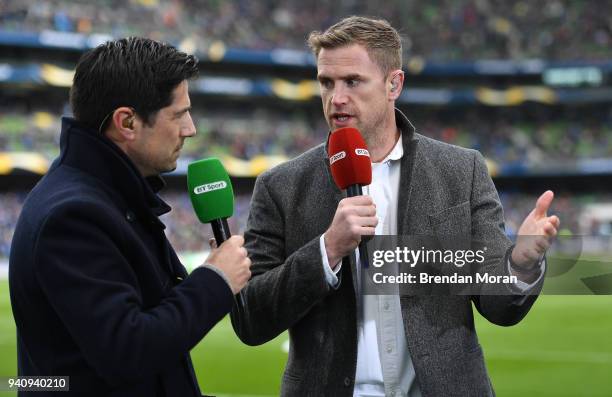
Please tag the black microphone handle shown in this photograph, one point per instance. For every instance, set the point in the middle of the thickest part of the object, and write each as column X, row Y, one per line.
column 221, row 230
column 352, row 191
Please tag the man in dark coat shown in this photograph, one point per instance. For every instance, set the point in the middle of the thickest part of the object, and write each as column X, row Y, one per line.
column 98, row 293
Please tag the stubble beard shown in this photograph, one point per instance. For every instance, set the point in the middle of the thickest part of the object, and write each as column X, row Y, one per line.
column 374, row 134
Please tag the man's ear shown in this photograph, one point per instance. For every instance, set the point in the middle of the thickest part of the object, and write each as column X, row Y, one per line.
column 396, row 83
column 122, row 125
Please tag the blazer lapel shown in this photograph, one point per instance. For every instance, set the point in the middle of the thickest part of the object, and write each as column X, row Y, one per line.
column 410, row 163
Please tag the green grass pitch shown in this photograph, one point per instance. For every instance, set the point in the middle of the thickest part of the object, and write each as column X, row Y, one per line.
column 562, row 348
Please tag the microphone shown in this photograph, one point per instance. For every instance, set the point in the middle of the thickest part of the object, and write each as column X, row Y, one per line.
column 351, row 168
column 212, row 196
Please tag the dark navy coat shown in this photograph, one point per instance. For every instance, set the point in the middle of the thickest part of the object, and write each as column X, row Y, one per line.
column 98, row 293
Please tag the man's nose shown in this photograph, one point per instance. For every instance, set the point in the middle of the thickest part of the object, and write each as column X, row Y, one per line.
column 339, row 97
column 189, row 129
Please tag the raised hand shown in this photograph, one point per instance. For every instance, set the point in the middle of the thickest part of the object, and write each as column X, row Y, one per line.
column 536, row 233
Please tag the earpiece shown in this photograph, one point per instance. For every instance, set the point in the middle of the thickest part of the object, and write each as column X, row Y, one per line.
column 128, row 122
column 393, row 86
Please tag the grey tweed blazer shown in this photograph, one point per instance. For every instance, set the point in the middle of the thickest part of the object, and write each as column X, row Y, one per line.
column 444, row 190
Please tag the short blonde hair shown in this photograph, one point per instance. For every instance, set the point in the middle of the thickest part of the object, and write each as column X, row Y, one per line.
column 380, row 39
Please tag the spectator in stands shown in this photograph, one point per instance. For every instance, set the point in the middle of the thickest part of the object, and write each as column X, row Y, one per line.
column 98, row 293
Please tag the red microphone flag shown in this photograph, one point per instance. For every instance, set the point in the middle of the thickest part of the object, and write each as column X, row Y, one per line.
column 349, row 158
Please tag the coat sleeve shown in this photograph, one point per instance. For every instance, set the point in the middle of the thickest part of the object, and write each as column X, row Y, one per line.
column 499, row 307
column 282, row 289
column 93, row 289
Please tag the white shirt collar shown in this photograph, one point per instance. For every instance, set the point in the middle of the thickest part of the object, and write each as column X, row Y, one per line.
column 396, row 153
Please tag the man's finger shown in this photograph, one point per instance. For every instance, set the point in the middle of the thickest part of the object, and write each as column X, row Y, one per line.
column 555, row 221
column 542, row 245
column 367, row 221
column 550, row 230
column 367, row 231
column 363, row 210
column 358, row 200
column 543, row 204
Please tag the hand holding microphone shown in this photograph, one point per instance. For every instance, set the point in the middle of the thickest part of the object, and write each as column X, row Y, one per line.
column 355, row 216
column 231, row 258
column 212, row 197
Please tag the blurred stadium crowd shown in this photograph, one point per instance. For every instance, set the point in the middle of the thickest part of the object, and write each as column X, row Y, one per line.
column 187, row 234
column 505, row 136
column 435, row 30
column 240, row 135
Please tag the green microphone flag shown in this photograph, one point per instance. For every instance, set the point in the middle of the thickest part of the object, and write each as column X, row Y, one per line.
column 211, row 193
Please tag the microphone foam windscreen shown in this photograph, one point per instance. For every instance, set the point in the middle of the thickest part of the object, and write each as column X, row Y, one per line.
column 349, row 158
column 210, row 190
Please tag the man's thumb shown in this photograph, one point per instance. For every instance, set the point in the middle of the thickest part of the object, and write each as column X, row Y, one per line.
column 543, row 203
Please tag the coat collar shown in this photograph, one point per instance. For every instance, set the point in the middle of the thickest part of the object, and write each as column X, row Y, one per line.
column 83, row 148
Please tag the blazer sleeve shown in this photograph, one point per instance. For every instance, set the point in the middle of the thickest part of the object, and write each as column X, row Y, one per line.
column 93, row 289
column 283, row 288
column 506, row 307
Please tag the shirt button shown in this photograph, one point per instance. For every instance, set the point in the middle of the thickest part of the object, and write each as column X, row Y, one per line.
column 386, row 306
column 129, row 215
column 389, row 349
column 347, row 381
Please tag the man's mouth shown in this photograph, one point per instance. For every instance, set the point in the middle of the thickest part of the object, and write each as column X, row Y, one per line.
column 341, row 117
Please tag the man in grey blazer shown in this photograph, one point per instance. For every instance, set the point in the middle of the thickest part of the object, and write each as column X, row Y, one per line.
column 303, row 231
